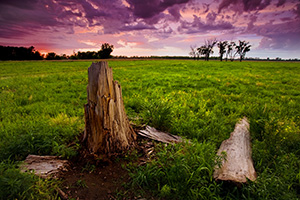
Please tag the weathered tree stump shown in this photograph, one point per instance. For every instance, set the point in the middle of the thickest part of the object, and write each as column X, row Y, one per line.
column 107, row 129
column 238, row 164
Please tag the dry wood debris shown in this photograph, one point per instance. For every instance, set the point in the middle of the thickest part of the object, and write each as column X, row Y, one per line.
column 44, row 166
column 157, row 135
column 238, row 164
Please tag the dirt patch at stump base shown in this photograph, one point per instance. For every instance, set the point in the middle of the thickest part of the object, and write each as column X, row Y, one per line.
column 101, row 182
column 106, row 178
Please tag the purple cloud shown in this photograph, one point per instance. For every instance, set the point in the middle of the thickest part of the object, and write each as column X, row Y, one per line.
column 26, row 4
column 86, row 23
column 199, row 26
column 297, row 10
column 139, row 26
column 175, row 12
column 280, row 3
column 253, row 19
column 245, row 5
column 149, row 8
column 279, row 36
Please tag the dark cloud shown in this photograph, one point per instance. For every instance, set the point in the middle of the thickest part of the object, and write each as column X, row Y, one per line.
column 199, row 26
column 253, row 19
column 149, row 8
column 211, row 17
column 37, row 15
column 139, row 26
column 206, row 6
column 25, row 4
column 154, row 18
column 297, row 10
column 279, row 36
column 10, row 32
column 175, row 12
column 245, row 5
column 17, row 20
column 280, row 3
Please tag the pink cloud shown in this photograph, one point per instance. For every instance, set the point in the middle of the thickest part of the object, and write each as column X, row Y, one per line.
column 149, row 24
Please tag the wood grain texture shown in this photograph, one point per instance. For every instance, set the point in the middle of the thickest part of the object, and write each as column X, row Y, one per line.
column 238, row 164
column 44, row 166
column 107, row 129
column 157, row 135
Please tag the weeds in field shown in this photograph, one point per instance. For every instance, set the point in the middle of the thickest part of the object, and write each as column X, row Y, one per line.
column 17, row 185
column 180, row 171
column 41, row 112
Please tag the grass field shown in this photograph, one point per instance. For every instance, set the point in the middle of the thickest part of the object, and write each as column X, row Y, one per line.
column 41, row 112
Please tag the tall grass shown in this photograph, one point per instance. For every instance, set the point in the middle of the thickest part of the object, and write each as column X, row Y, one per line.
column 42, row 113
column 180, row 171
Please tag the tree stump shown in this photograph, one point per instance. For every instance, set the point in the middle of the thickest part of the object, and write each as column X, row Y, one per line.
column 238, row 164
column 107, row 128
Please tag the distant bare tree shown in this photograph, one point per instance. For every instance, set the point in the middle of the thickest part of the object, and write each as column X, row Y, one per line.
column 242, row 49
column 202, row 51
column 207, row 48
column 194, row 52
column 222, row 48
column 230, row 51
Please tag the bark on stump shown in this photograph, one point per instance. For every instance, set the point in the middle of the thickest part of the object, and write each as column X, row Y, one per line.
column 238, row 164
column 107, row 129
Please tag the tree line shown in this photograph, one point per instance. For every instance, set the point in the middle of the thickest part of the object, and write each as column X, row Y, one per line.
column 23, row 53
column 226, row 48
column 19, row 53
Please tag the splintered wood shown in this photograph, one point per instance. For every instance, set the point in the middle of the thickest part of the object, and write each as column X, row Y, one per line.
column 107, row 129
column 238, row 164
column 154, row 134
column 44, row 166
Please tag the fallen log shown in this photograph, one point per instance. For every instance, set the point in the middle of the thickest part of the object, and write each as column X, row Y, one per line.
column 44, row 166
column 238, row 164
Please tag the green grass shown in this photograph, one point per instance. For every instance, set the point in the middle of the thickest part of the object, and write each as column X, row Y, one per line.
column 41, row 112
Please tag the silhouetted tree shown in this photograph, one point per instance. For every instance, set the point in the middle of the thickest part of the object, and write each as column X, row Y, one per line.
column 202, row 51
column 87, row 55
column 19, row 53
column 207, row 48
column 103, row 53
column 52, row 56
column 230, row 51
column 106, row 50
column 194, row 53
column 64, row 56
column 242, row 48
column 222, row 48
column 37, row 56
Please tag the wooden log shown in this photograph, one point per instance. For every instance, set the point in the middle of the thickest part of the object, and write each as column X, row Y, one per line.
column 238, row 164
column 157, row 135
column 44, row 166
column 107, row 128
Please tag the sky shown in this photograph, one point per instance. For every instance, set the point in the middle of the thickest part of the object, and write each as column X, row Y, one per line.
column 151, row 27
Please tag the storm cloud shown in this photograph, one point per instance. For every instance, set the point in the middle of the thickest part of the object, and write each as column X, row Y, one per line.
column 89, row 22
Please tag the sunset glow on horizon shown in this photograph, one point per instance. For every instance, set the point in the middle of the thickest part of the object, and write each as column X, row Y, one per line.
column 151, row 27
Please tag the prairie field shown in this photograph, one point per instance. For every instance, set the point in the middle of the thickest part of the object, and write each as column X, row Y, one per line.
column 42, row 112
